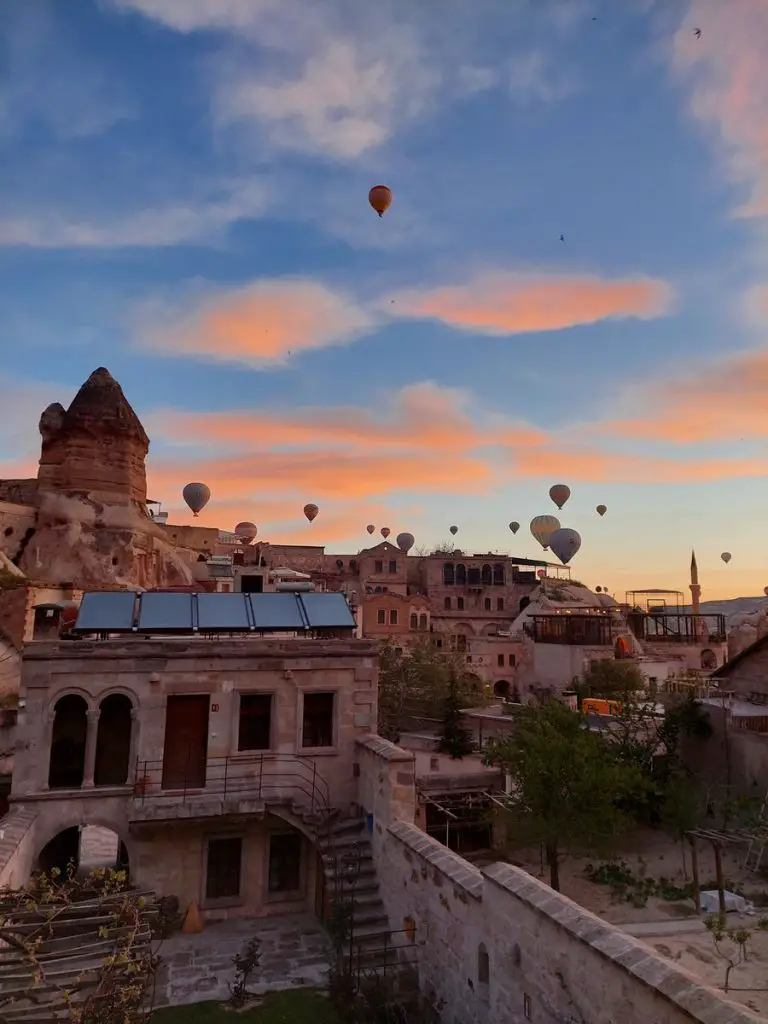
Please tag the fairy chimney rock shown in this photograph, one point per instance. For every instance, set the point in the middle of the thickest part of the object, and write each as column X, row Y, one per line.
column 96, row 446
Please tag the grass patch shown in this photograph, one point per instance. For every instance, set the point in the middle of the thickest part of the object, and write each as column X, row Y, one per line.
column 298, row 1006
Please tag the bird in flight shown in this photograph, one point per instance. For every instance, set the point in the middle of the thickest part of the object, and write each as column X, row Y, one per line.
column 562, row 238
column 697, row 33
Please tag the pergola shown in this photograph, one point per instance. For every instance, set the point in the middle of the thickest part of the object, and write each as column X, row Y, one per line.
column 718, row 838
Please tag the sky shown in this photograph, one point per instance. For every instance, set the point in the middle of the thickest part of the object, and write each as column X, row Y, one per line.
column 571, row 284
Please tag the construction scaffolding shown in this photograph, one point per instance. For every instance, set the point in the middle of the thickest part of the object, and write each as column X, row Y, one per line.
column 464, row 813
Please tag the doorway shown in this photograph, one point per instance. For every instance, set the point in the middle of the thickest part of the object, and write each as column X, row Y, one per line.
column 186, row 742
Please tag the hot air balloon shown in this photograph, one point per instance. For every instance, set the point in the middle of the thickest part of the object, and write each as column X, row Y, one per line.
column 370, row 527
column 380, row 198
column 385, row 532
column 405, row 541
column 310, row 511
column 542, row 528
column 598, row 590
column 514, row 527
column 765, row 591
column 559, row 493
column 565, row 543
column 541, row 573
column 196, row 496
column 726, row 557
column 246, row 532
column 601, row 510
column 454, row 530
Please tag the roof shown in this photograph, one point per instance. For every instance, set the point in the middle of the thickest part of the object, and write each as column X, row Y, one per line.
column 731, row 664
column 204, row 613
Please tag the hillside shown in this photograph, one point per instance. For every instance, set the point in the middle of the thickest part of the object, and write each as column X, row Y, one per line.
column 734, row 609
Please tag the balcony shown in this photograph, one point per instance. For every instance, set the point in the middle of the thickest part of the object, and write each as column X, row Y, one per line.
column 233, row 785
column 572, row 630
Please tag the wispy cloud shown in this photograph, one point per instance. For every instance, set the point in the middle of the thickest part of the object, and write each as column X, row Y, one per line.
column 202, row 220
column 728, row 75
column 49, row 81
column 499, row 303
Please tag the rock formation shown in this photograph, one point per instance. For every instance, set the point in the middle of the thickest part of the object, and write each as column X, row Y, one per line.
column 91, row 526
column 97, row 446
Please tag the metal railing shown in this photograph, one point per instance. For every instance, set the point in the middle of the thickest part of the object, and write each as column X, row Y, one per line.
column 248, row 776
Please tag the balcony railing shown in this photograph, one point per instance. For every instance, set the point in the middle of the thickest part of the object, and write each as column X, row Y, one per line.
column 246, row 777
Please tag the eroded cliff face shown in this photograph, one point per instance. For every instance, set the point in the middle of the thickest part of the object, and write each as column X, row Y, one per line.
column 97, row 446
column 91, row 526
column 98, row 544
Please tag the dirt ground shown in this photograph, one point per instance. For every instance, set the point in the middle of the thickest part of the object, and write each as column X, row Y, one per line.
column 670, row 925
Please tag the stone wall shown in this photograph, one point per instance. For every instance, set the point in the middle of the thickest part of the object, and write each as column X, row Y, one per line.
column 14, row 610
column 386, row 786
column 15, row 521
column 500, row 945
column 17, row 840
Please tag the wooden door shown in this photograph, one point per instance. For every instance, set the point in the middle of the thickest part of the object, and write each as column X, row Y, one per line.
column 186, row 742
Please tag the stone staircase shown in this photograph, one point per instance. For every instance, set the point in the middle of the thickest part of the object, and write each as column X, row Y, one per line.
column 350, row 874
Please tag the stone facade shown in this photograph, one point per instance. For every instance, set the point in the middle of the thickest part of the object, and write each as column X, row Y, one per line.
column 399, row 616
column 499, row 945
column 166, row 828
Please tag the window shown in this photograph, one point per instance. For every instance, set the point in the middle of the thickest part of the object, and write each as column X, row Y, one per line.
column 393, row 616
column 483, row 965
column 447, row 603
column 487, row 604
column 460, row 603
column 512, row 661
column 285, row 862
column 461, row 575
column 498, row 575
column 223, row 867
column 438, row 641
column 486, row 576
column 381, row 617
column 527, row 1006
column 378, row 565
column 473, row 576
column 423, row 621
column 500, row 660
column 448, row 576
column 255, row 723
column 317, row 725
column 499, row 604
column 459, row 642
column 414, row 620
column 393, row 565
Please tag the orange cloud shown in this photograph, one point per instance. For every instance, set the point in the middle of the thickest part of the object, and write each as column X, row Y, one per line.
column 422, row 415
column 498, row 303
column 259, row 324
column 725, row 401
column 730, row 85
column 595, row 466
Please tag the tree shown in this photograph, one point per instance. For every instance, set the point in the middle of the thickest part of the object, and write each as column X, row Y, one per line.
column 455, row 739
column 567, row 784
column 43, row 925
column 414, row 683
column 612, row 679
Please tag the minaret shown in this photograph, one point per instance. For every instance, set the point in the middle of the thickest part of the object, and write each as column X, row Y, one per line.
column 695, row 590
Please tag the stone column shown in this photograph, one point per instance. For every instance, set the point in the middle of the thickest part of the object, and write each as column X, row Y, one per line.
column 45, row 767
column 134, row 747
column 90, row 747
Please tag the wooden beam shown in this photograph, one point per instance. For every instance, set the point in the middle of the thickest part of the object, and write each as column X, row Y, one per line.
column 695, row 874
column 720, row 880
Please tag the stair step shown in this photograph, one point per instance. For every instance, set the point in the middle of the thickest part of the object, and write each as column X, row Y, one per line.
column 369, row 898
column 367, row 871
column 362, row 856
column 375, row 916
column 347, row 825
column 342, row 840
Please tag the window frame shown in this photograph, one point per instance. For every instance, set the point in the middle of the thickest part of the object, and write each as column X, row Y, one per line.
column 381, row 616
column 236, row 751
column 289, row 895
column 221, row 901
column 334, row 746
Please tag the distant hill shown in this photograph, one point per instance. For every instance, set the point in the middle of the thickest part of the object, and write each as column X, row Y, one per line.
column 734, row 609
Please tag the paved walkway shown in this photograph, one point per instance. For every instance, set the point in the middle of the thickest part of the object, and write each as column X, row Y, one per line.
column 295, row 952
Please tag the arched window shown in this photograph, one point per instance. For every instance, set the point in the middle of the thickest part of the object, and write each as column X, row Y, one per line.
column 414, row 620
column 70, row 727
column 486, row 576
column 461, row 575
column 487, row 604
column 423, row 621
column 447, row 603
column 498, row 575
column 483, row 965
column 113, row 741
column 448, row 575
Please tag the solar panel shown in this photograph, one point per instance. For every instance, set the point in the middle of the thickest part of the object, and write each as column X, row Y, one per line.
column 327, row 611
column 106, row 612
column 276, row 611
column 228, row 612
column 165, row 613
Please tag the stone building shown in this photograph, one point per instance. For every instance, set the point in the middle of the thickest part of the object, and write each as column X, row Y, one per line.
column 218, row 759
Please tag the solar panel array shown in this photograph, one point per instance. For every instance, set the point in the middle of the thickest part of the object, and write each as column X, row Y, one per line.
column 183, row 613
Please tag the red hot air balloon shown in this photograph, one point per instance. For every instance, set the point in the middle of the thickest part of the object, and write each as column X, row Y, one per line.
column 370, row 527
column 310, row 511
column 385, row 532
column 380, row 198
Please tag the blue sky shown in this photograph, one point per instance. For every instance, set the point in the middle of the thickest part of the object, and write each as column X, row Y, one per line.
column 185, row 202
